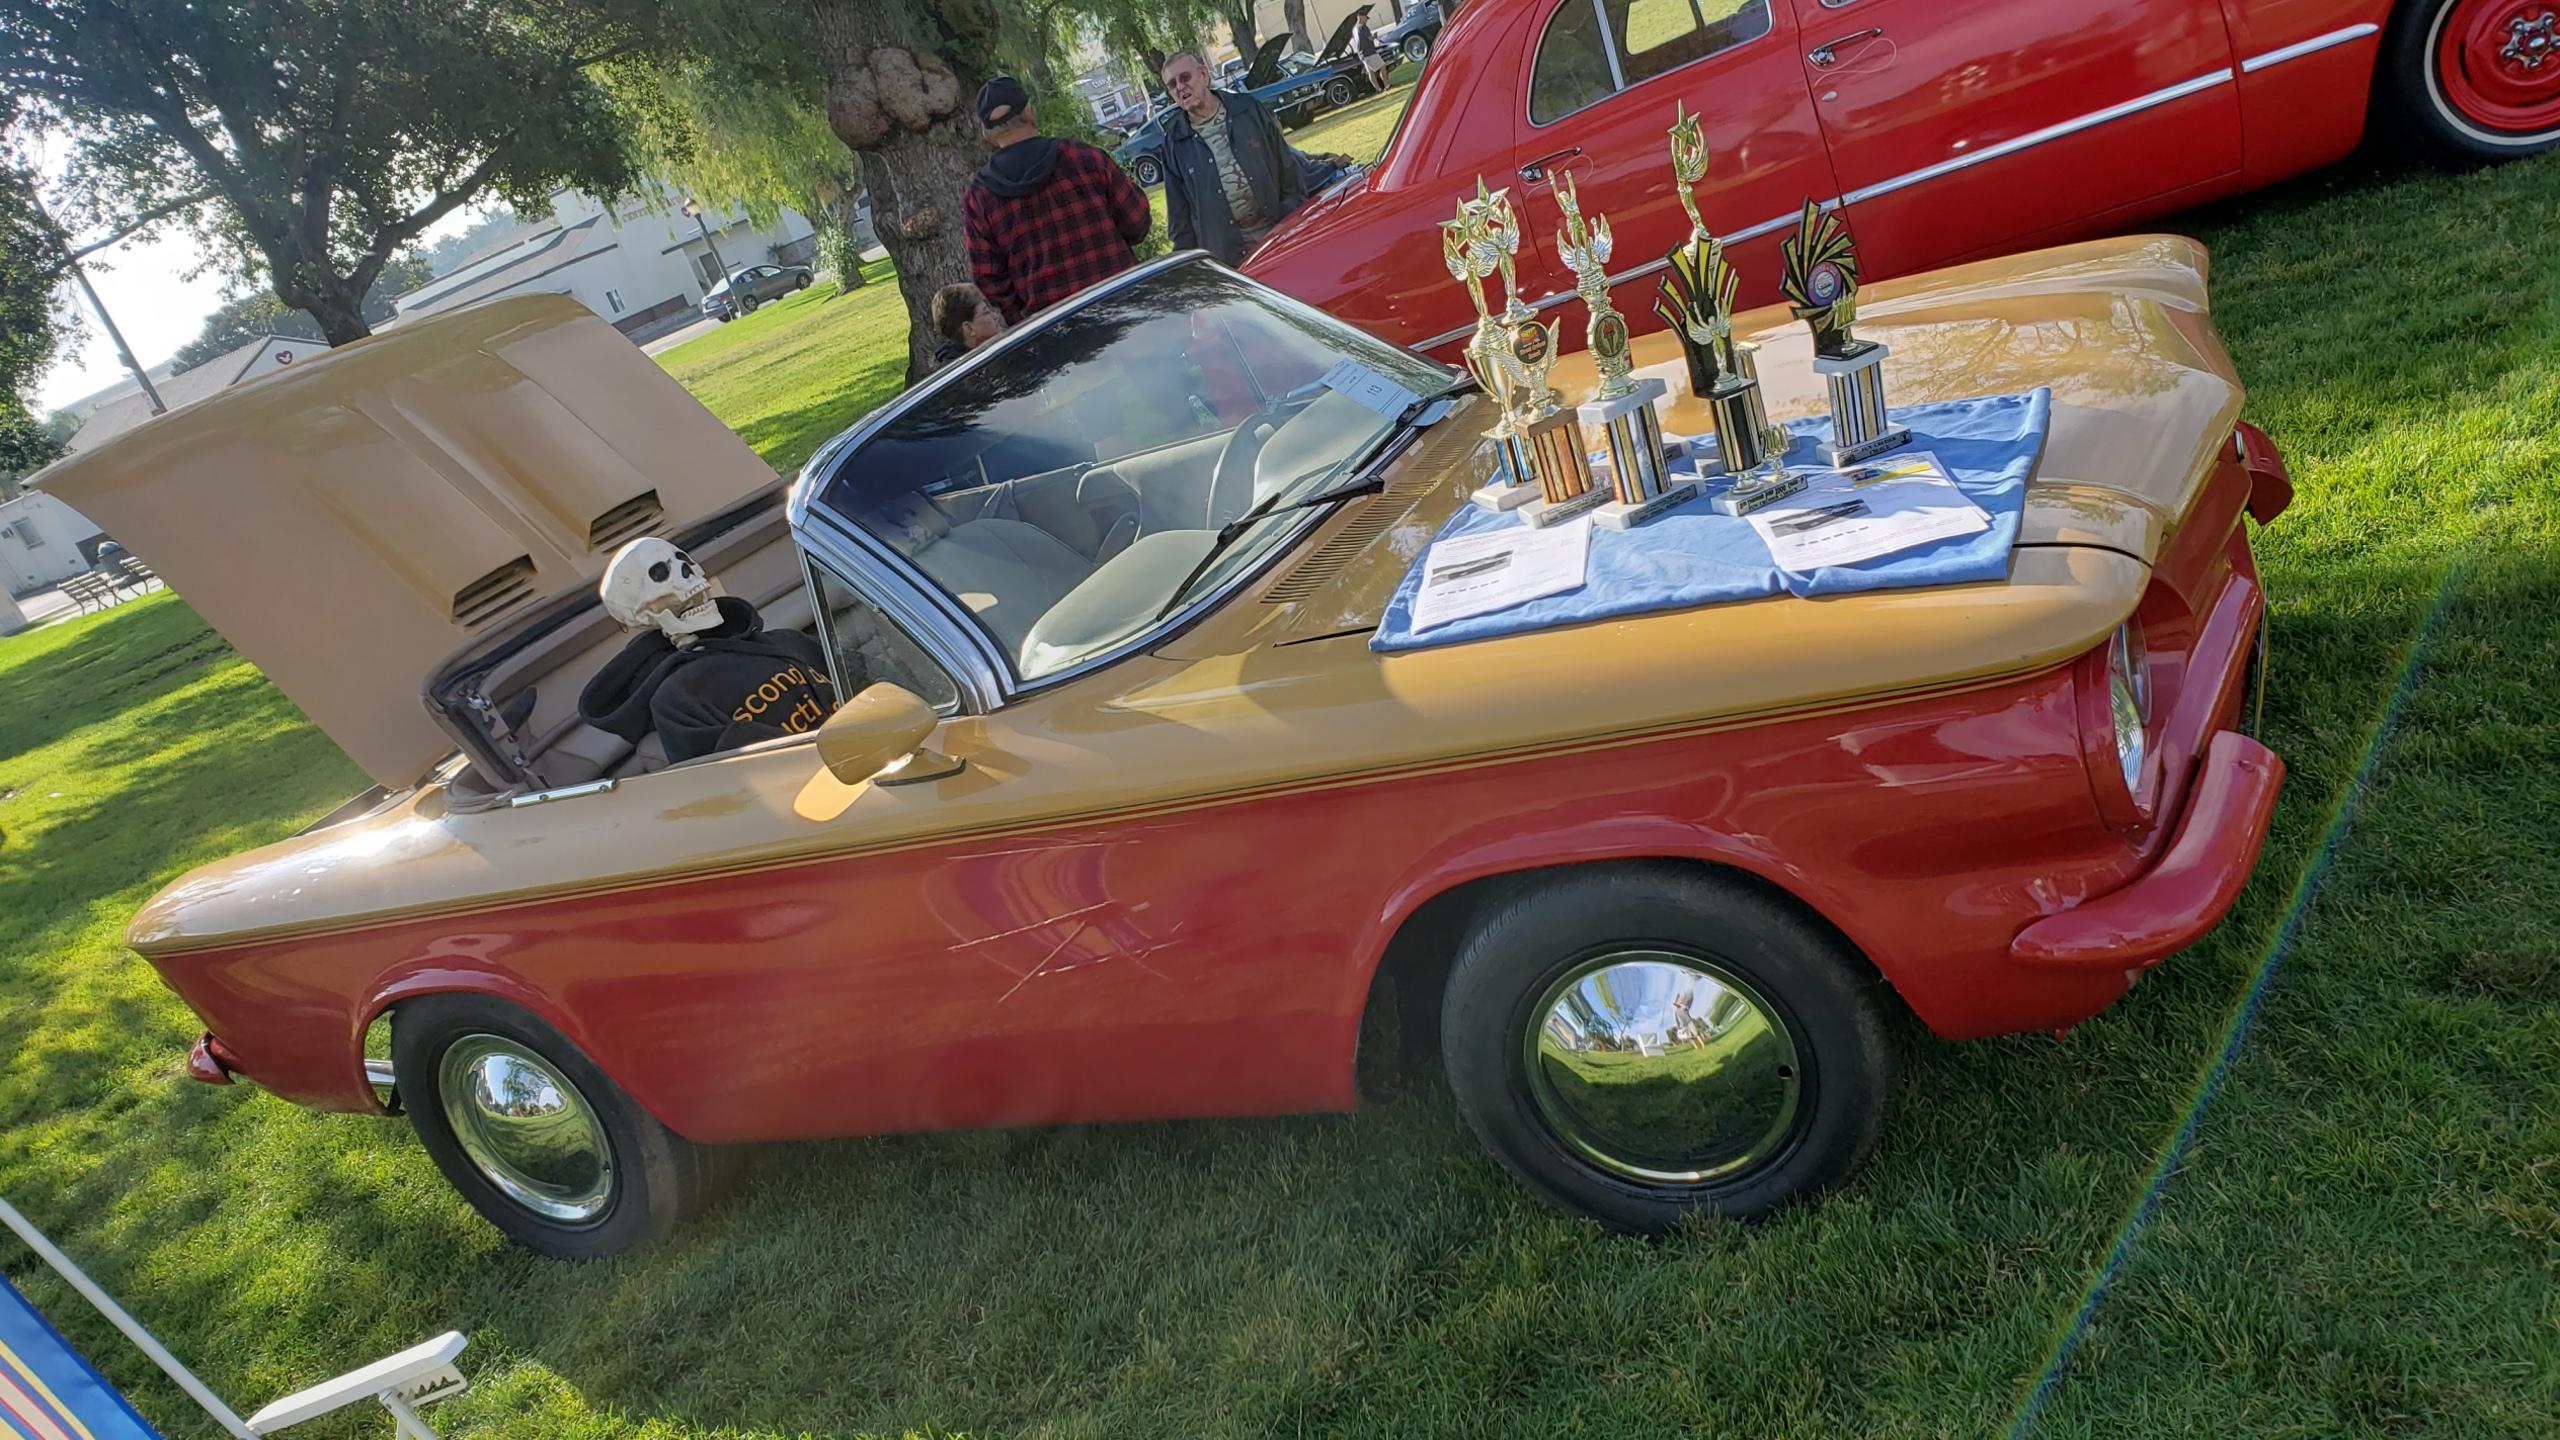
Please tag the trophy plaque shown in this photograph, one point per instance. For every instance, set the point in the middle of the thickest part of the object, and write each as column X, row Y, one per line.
column 1471, row 255
column 1553, row 437
column 1696, row 303
column 1820, row 280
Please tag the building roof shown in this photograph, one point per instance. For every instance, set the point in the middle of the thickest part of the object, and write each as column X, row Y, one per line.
column 509, row 267
column 115, row 416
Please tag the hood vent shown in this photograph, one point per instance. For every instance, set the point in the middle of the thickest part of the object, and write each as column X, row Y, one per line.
column 495, row 593
column 1364, row 526
column 640, row 515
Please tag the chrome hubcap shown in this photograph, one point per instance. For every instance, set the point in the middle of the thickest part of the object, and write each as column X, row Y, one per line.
column 2529, row 42
column 1664, row 1067
column 526, row 1128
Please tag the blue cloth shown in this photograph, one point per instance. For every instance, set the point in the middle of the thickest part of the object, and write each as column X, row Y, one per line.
column 1694, row 556
column 47, row 1389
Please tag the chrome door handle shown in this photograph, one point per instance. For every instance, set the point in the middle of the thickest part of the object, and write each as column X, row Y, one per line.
column 1536, row 170
column 1822, row 57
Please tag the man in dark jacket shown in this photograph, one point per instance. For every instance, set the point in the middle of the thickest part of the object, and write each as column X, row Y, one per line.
column 1047, row 217
column 1228, row 176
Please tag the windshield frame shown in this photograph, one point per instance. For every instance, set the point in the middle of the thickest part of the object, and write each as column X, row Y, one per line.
column 988, row 675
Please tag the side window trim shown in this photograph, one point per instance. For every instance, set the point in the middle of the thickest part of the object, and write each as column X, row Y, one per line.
column 814, row 572
column 1617, row 67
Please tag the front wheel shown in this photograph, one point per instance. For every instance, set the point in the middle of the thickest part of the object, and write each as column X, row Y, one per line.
column 2478, row 80
column 1150, row 172
column 535, row 1136
column 1635, row 1045
column 1417, row 48
column 748, row 305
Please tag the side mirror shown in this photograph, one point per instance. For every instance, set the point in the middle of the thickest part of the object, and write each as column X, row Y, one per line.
column 879, row 736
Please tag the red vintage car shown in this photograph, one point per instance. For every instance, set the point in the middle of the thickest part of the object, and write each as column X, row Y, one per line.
column 1946, row 129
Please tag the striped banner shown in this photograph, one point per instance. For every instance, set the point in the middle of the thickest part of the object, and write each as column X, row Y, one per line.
column 47, row 1392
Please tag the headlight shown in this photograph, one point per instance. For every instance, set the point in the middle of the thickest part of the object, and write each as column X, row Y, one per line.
column 2129, row 700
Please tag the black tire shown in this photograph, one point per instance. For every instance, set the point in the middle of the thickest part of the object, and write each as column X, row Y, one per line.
column 1417, row 47
column 1814, row 994
column 748, row 305
column 656, row 1178
column 1338, row 92
column 2447, row 118
column 1150, row 171
column 801, row 283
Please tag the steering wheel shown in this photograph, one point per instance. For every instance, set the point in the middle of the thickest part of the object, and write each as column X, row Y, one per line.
column 1231, row 483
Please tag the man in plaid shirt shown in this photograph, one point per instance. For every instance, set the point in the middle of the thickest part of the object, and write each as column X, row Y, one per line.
column 1047, row 217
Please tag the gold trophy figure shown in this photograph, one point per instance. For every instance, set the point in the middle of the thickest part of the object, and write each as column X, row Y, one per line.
column 1820, row 280
column 1492, row 357
column 1502, row 226
column 1713, row 284
column 1585, row 249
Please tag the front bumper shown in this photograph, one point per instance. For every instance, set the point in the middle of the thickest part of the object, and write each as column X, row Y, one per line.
column 2195, row 883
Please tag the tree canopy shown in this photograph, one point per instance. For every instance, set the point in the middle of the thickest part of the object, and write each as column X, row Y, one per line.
column 308, row 141
column 30, row 325
column 258, row 313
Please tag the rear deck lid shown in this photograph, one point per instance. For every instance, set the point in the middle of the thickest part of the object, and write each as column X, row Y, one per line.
column 351, row 521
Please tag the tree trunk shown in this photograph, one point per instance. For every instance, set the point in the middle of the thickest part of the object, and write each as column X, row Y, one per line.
column 339, row 310
column 1240, row 27
column 1296, row 11
column 905, row 112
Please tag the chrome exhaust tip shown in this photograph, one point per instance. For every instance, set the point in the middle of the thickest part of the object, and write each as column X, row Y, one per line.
column 386, row 1090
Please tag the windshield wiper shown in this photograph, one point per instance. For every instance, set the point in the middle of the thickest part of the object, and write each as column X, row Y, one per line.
column 1234, row 530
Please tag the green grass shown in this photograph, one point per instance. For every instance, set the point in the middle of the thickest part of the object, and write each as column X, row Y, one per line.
column 1360, row 129
column 802, row 368
column 2362, row 1241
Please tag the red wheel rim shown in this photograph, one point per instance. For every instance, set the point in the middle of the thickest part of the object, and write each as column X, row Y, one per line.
column 2497, row 65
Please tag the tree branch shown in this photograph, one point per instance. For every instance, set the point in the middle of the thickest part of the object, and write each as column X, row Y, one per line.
column 143, row 221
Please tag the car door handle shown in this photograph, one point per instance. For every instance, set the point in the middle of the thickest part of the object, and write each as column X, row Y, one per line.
column 1536, row 170
column 1822, row 55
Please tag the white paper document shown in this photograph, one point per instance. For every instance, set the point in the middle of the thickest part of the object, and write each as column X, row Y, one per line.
column 1479, row 574
column 1888, row 504
column 1370, row 388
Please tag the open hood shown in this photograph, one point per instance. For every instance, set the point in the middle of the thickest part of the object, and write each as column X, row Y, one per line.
column 351, row 521
column 1266, row 62
column 1341, row 40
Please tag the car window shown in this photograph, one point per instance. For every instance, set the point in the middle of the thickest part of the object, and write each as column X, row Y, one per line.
column 866, row 648
column 1647, row 38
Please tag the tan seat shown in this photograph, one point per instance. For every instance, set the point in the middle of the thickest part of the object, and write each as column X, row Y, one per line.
column 1007, row 572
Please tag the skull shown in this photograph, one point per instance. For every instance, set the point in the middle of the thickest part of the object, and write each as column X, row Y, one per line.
column 651, row 582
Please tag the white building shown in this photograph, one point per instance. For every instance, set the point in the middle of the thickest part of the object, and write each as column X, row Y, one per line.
column 42, row 543
column 641, row 263
column 122, row 406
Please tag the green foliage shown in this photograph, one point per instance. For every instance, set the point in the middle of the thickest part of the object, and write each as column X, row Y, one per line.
column 30, row 260
column 242, row 320
column 307, row 141
column 26, row 443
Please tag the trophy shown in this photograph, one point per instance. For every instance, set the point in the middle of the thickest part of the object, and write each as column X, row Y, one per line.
column 1471, row 256
column 1696, row 302
column 1622, row 409
column 1553, row 436
column 1820, row 281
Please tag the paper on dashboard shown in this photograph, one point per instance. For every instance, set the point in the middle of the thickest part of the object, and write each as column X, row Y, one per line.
column 1879, row 508
column 1479, row 574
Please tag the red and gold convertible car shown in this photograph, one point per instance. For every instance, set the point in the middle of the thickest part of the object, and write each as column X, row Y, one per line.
column 1124, row 819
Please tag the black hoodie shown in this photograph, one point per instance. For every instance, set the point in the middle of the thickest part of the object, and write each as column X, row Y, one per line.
column 1022, row 168
column 737, row 683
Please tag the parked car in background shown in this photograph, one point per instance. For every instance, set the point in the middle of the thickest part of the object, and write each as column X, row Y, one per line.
column 1943, row 131
column 1099, row 599
column 1297, row 86
column 1412, row 37
column 1142, row 154
column 753, row 285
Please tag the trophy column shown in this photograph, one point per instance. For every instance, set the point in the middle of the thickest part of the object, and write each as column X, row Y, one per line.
column 1859, row 425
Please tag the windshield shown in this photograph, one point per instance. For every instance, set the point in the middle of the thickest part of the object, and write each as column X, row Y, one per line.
column 1063, row 489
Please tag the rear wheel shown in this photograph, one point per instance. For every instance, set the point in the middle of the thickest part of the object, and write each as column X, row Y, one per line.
column 535, row 1136
column 2478, row 80
column 1638, row 1044
column 1338, row 91
column 800, row 284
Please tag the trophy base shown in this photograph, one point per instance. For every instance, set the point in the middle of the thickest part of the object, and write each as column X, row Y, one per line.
column 1742, row 497
column 1626, row 517
column 1500, row 496
column 1538, row 515
column 1838, row 456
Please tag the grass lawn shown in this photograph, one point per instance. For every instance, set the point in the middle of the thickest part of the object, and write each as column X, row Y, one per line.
column 802, row 368
column 2359, row 1236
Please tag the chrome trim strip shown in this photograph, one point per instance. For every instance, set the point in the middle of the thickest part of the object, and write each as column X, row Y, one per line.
column 2297, row 50
column 565, row 792
column 2034, row 138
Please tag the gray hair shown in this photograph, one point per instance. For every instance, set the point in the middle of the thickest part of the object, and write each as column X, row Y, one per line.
column 1186, row 53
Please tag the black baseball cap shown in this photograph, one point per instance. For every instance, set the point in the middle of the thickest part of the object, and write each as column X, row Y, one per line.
column 999, row 100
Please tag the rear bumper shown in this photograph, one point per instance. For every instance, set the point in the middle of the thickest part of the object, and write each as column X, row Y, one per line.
column 2195, row 883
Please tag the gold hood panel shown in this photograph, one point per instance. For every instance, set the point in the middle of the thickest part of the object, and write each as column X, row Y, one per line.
column 351, row 521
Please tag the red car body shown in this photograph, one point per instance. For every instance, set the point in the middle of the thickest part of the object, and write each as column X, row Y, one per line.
column 1945, row 130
